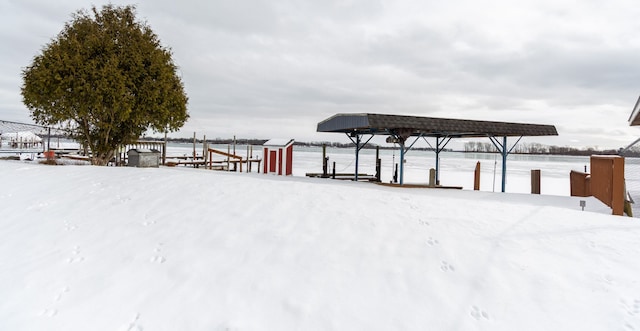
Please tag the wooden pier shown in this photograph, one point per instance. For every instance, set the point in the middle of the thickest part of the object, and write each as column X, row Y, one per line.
column 344, row 176
column 232, row 163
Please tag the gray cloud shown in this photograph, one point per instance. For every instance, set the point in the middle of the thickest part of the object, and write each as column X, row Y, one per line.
column 265, row 69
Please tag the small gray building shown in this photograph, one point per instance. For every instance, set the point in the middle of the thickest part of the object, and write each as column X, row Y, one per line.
column 143, row 158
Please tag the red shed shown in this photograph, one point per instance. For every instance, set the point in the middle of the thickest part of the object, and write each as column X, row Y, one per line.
column 278, row 157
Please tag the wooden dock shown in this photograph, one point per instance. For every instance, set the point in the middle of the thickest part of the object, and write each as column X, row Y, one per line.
column 421, row 186
column 344, row 176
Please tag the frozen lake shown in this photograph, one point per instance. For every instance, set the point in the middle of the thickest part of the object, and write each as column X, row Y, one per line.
column 456, row 168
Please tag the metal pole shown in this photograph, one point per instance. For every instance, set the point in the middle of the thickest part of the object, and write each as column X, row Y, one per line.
column 505, row 152
column 357, row 153
column 378, row 175
column 437, row 160
column 401, row 162
column 325, row 164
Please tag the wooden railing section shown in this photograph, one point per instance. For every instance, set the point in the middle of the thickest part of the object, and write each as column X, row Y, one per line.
column 606, row 182
column 232, row 159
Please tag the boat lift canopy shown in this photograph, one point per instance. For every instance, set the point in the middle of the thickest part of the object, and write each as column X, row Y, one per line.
column 401, row 128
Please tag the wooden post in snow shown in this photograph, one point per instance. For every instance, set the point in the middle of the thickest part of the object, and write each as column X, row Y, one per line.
column 325, row 161
column 194, row 146
column 535, row 181
column 205, row 147
column 378, row 165
column 476, row 177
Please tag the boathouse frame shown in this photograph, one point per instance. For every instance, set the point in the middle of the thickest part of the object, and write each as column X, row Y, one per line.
column 400, row 128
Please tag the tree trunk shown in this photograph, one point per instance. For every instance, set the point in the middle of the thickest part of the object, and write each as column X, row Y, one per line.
column 101, row 158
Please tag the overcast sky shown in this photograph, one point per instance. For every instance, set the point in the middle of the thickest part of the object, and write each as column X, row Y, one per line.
column 264, row 69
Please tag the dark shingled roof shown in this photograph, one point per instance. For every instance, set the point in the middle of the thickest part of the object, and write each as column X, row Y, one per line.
column 634, row 119
column 430, row 126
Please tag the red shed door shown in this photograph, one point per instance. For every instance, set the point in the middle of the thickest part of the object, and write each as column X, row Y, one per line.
column 272, row 161
column 280, row 161
column 289, row 161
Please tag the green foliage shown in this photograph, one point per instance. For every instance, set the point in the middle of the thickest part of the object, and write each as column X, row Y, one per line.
column 107, row 78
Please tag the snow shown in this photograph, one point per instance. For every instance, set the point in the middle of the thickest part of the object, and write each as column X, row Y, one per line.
column 105, row 248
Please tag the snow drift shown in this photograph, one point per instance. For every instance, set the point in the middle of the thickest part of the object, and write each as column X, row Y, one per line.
column 97, row 248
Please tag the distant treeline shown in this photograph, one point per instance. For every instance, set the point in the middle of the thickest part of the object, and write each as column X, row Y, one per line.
column 540, row 149
column 471, row 147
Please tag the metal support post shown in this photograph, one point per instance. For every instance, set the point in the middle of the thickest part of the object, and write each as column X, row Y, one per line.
column 504, row 151
column 401, row 162
column 357, row 156
column 440, row 145
column 504, row 163
column 437, row 161
column 359, row 146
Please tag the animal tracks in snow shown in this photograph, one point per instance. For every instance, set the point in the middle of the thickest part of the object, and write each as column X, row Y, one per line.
column 446, row 267
column 75, row 256
column 608, row 279
column 632, row 308
column 62, row 292
column 158, row 258
column 432, row 242
column 121, row 199
column 478, row 313
column 133, row 325
column 49, row 312
column 421, row 222
column 69, row 227
column 52, row 312
column 147, row 223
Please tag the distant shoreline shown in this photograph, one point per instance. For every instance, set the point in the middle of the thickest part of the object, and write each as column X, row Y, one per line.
column 534, row 149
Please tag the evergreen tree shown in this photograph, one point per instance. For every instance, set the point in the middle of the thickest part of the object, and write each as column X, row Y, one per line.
column 107, row 79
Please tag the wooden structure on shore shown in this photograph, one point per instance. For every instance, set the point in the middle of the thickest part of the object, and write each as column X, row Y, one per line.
column 278, row 157
column 232, row 163
column 121, row 156
column 420, row 186
column 346, row 176
column 400, row 129
column 605, row 182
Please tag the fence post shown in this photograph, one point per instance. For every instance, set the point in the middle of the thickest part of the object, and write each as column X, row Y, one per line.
column 618, row 194
column 432, row 177
column 325, row 160
column 535, row 181
column 476, row 177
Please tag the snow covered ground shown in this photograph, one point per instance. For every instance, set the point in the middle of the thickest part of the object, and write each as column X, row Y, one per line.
column 104, row 248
